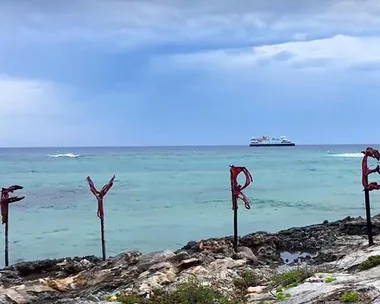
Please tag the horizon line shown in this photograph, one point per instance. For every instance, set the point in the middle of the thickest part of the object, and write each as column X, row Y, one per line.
column 172, row 146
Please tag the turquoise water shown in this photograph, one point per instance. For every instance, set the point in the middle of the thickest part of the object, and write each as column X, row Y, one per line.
column 164, row 197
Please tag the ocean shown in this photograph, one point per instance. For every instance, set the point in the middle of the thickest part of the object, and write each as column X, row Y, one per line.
column 164, row 197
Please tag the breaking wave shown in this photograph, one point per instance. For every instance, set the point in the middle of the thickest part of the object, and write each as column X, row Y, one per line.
column 353, row 155
column 68, row 155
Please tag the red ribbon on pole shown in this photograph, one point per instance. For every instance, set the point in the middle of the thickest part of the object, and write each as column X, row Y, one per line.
column 100, row 213
column 236, row 188
column 6, row 200
column 100, row 194
column 370, row 152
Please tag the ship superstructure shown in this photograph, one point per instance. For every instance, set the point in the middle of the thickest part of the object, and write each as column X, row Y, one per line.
column 266, row 141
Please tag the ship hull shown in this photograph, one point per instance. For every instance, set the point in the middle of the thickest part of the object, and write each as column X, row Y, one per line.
column 273, row 145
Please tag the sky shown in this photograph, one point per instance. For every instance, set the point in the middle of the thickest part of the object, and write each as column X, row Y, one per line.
column 176, row 72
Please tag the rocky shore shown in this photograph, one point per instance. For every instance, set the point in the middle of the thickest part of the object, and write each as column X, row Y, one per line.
column 321, row 263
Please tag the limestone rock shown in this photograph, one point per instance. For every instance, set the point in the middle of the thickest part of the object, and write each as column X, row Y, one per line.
column 179, row 257
column 25, row 293
column 247, row 254
column 4, row 299
column 256, row 289
column 147, row 260
column 185, row 264
column 213, row 262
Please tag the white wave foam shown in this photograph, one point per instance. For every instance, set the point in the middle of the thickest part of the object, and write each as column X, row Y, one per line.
column 354, row 155
column 69, row 155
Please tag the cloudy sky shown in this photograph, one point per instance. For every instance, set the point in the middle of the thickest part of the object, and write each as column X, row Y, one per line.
column 176, row 72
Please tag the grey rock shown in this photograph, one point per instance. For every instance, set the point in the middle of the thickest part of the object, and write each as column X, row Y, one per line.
column 160, row 266
column 88, row 279
column 247, row 254
column 93, row 298
column 185, row 264
column 147, row 260
column 4, row 299
column 180, row 256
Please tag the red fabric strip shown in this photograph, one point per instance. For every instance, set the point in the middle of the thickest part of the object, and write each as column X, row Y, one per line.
column 370, row 152
column 236, row 188
column 100, row 194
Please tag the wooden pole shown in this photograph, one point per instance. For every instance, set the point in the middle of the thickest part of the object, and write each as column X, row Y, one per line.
column 103, row 239
column 367, row 187
column 368, row 213
column 236, row 192
column 6, row 244
column 234, row 202
column 100, row 197
column 4, row 205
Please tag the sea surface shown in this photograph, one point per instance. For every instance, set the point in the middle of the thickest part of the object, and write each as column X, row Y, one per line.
column 164, row 197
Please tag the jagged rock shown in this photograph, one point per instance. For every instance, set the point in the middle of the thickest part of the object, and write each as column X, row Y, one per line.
column 125, row 258
column 185, row 264
column 25, row 293
column 179, row 257
column 213, row 262
column 147, row 260
column 247, row 254
column 4, row 299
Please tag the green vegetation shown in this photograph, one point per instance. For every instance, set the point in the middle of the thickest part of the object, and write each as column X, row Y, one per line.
column 192, row 291
column 330, row 280
column 288, row 279
column 291, row 278
column 281, row 295
column 110, row 298
column 186, row 293
column 248, row 278
column 371, row 262
column 350, row 296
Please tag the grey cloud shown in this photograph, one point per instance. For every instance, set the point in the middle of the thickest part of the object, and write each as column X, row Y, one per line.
column 311, row 63
column 366, row 66
column 127, row 22
column 283, row 56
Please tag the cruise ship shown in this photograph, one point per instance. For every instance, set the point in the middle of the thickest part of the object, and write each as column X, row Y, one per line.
column 266, row 141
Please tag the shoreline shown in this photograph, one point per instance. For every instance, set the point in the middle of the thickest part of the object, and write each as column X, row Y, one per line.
column 289, row 240
column 212, row 260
